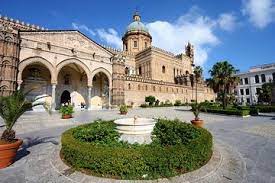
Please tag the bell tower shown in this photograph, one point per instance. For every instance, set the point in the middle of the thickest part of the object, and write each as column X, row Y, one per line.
column 9, row 59
column 137, row 36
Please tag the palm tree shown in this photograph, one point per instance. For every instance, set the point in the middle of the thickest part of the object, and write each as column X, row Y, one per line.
column 222, row 79
column 197, row 74
column 11, row 108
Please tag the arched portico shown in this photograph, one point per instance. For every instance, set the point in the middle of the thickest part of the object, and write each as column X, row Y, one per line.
column 73, row 76
column 33, row 60
column 101, row 89
column 36, row 76
column 74, row 61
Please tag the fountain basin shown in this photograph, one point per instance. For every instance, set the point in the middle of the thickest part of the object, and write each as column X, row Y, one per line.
column 135, row 126
column 135, row 130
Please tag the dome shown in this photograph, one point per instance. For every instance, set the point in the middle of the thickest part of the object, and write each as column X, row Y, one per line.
column 137, row 26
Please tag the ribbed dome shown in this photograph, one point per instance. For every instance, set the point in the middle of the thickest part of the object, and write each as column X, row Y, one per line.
column 137, row 26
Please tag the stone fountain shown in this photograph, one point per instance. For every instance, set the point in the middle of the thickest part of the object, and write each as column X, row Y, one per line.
column 135, row 130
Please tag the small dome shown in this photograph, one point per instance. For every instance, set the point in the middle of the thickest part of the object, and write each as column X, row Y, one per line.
column 137, row 26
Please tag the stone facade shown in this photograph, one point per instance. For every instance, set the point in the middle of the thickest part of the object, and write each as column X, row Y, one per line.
column 66, row 66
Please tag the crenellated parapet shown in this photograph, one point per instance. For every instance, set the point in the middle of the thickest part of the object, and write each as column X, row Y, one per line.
column 118, row 51
column 17, row 25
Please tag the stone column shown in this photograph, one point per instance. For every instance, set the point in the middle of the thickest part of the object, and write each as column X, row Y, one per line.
column 89, row 97
column 109, row 102
column 18, row 86
column 53, row 96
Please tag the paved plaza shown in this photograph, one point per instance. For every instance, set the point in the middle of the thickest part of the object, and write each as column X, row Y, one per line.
column 244, row 147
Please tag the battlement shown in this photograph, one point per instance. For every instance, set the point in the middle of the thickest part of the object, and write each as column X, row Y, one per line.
column 18, row 25
column 117, row 51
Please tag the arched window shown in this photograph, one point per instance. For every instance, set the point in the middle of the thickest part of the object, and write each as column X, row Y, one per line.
column 140, row 71
column 186, row 72
column 135, row 44
column 67, row 79
column 129, row 86
column 257, row 79
column 146, row 87
column 126, row 70
column 138, row 87
column 145, row 44
column 263, row 78
column 163, row 69
column 154, row 88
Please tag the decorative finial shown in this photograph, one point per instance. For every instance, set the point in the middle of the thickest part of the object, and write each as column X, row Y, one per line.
column 136, row 16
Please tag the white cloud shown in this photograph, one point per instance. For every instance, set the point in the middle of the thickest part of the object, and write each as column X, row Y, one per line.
column 227, row 21
column 82, row 27
column 193, row 27
column 260, row 12
column 110, row 36
column 173, row 36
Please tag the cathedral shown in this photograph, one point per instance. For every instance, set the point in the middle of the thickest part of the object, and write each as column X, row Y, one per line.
column 60, row 66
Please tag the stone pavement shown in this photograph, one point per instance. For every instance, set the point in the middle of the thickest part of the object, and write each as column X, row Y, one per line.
column 246, row 145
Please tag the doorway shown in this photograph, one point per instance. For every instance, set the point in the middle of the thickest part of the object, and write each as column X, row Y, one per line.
column 65, row 97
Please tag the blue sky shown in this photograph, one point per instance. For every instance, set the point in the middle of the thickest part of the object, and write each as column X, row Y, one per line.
column 240, row 31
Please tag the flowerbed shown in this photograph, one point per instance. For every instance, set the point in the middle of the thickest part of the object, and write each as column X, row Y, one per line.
column 176, row 148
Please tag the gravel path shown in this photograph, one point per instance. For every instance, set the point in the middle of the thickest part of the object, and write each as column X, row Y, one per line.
column 251, row 140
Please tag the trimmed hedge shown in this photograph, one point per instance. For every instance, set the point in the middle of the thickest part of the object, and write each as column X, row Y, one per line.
column 230, row 111
column 265, row 108
column 171, row 153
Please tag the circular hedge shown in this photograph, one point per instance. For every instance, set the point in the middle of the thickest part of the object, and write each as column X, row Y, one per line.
column 176, row 148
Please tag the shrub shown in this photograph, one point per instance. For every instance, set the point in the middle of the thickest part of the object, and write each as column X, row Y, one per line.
column 231, row 111
column 11, row 108
column 123, row 108
column 172, row 132
column 265, row 108
column 167, row 103
column 150, row 99
column 97, row 132
column 177, row 103
column 177, row 148
column 196, row 109
column 144, row 105
column 66, row 109
column 254, row 111
column 157, row 103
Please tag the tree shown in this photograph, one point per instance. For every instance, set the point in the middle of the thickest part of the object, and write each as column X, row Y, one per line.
column 197, row 74
column 223, row 80
column 150, row 99
column 265, row 93
column 11, row 108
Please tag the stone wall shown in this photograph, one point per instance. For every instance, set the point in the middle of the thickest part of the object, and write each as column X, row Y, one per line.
column 137, row 88
column 161, row 65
